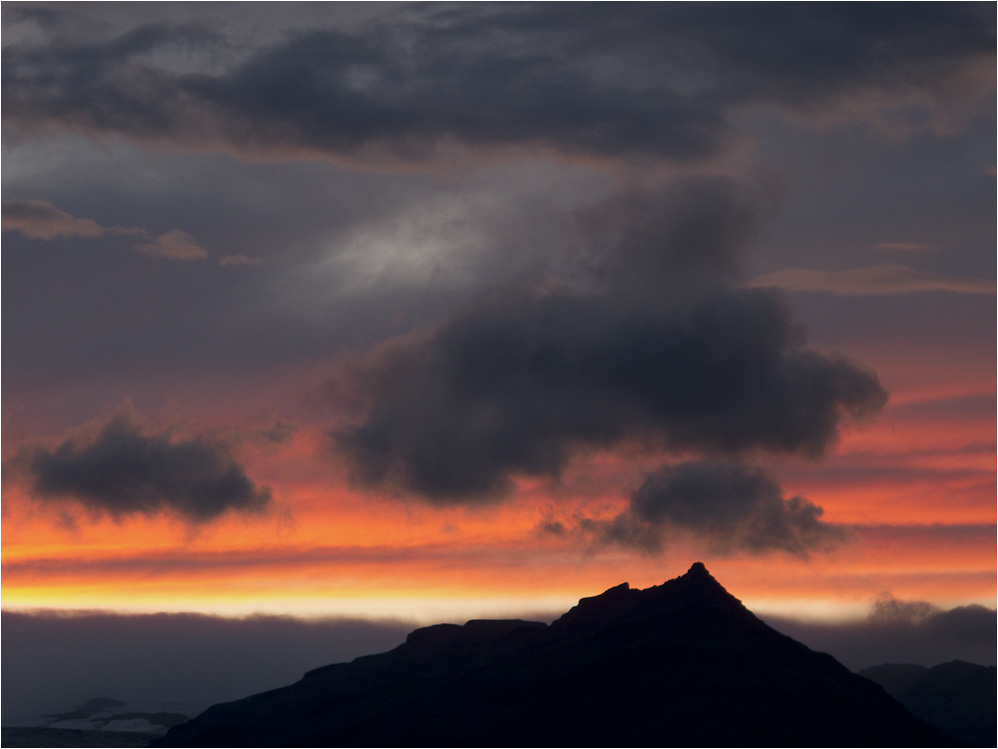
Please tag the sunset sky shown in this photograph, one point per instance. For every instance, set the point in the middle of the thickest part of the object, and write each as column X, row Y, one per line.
column 430, row 312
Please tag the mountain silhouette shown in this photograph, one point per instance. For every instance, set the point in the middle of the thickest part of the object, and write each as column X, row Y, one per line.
column 682, row 663
column 958, row 697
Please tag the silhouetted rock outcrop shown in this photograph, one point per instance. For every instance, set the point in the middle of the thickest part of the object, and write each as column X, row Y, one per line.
column 682, row 663
column 958, row 697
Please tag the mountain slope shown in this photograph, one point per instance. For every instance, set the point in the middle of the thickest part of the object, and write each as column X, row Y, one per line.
column 958, row 697
column 682, row 663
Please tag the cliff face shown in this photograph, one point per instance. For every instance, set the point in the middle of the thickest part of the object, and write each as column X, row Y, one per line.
column 682, row 663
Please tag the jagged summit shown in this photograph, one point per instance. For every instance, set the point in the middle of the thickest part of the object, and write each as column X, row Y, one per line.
column 681, row 663
column 622, row 603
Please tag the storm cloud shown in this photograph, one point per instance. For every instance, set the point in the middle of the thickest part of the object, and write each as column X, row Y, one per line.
column 610, row 81
column 730, row 505
column 122, row 471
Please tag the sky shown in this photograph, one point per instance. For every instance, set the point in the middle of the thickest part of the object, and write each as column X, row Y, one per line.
column 427, row 312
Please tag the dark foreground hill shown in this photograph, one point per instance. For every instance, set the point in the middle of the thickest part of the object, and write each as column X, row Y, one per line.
column 682, row 663
column 959, row 697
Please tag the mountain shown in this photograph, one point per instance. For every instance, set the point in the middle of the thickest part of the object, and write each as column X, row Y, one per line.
column 682, row 663
column 958, row 697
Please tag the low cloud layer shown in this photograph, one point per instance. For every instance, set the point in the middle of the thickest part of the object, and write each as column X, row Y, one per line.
column 730, row 506
column 63, row 659
column 902, row 632
column 37, row 219
column 873, row 281
column 631, row 82
column 123, row 471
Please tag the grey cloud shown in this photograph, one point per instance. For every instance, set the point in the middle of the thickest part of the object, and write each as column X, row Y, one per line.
column 657, row 349
column 902, row 632
column 732, row 506
column 879, row 279
column 677, row 239
column 519, row 386
column 536, row 75
column 122, row 471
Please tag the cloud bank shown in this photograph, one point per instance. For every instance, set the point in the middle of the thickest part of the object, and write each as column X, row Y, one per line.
column 65, row 658
column 122, row 471
column 902, row 632
column 621, row 82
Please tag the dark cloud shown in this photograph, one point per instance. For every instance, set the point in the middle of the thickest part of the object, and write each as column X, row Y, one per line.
column 656, row 348
column 608, row 80
column 121, row 471
column 902, row 632
column 518, row 386
column 729, row 506
column 649, row 247
column 53, row 661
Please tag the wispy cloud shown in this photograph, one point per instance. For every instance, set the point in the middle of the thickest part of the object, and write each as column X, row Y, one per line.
column 873, row 281
column 37, row 219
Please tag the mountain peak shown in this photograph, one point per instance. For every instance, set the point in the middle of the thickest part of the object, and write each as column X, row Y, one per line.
column 698, row 569
column 622, row 603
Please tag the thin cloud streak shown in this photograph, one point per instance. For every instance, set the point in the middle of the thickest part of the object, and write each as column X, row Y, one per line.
column 37, row 219
column 872, row 281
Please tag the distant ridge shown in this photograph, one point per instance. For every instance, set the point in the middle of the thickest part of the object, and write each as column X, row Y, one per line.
column 682, row 663
column 958, row 697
